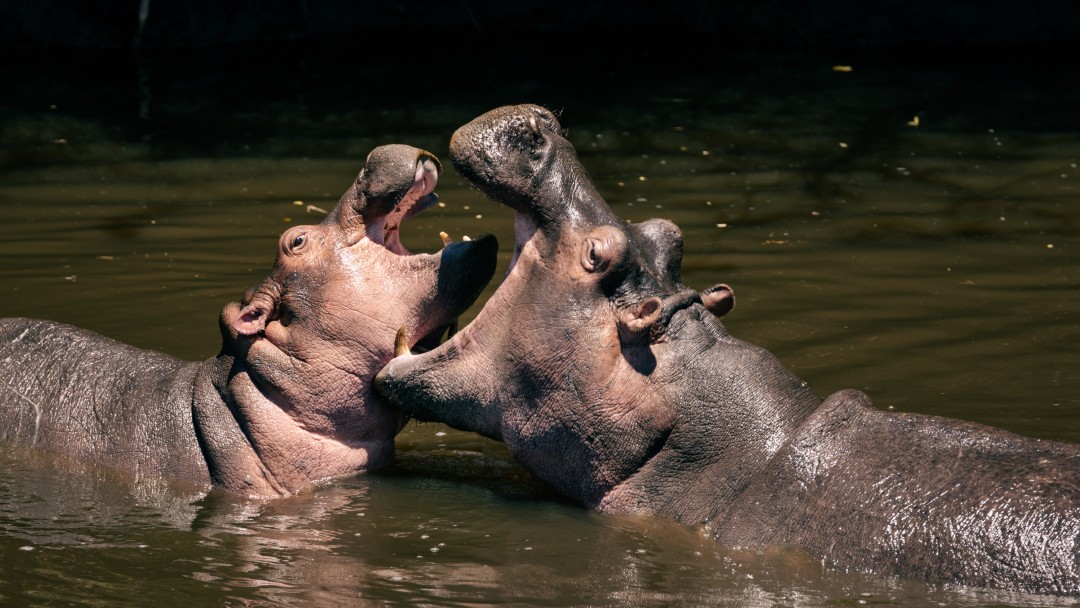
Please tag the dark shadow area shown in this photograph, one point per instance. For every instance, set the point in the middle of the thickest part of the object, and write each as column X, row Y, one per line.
column 158, row 24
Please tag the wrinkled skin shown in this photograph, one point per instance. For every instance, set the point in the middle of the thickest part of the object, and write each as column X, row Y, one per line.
column 288, row 401
column 618, row 386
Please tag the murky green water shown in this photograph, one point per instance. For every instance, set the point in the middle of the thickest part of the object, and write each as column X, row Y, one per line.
column 932, row 265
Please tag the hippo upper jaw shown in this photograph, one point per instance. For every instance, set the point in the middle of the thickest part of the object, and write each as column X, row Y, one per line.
column 384, row 228
column 517, row 156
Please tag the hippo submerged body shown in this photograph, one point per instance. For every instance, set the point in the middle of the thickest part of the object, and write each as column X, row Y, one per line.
column 288, row 400
column 620, row 387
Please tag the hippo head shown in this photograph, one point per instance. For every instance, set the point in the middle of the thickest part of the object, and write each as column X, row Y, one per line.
column 310, row 337
column 575, row 361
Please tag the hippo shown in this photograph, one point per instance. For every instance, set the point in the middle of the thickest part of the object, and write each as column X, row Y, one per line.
column 620, row 388
column 288, row 401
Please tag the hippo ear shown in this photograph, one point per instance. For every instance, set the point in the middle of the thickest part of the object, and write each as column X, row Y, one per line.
column 636, row 321
column 719, row 299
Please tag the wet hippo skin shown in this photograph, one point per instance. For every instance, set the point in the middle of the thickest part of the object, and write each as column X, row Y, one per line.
column 288, row 401
column 618, row 386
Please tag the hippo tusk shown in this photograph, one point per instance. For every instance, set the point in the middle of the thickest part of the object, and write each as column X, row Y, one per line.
column 446, row 240
column 401, row 343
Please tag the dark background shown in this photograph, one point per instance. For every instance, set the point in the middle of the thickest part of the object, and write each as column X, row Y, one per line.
column 533, row 24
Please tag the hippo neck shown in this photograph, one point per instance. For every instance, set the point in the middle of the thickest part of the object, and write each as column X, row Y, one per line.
column 742, row 408
column 254, row 448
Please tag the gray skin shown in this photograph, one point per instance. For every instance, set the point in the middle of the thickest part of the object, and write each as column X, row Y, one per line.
column 288, row 401
column 619, row 387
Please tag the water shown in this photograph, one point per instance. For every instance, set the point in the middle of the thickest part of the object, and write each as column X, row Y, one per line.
column 932, row 265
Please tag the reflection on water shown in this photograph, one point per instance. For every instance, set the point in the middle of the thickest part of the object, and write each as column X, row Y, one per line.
column 908, row 230
column 404, row 538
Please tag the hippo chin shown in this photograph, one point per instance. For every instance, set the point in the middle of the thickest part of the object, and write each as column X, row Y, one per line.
column 616, row 385
column 288, row 401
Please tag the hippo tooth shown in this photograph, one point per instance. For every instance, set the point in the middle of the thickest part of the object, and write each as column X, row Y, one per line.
column 466, row 238
column 446, row 240
column 401, row 343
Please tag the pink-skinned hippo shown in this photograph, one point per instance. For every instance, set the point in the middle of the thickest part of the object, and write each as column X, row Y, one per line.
column 620, row 387
column 288, row 401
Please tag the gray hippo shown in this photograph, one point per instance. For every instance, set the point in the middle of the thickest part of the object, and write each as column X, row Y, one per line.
column 288, row 401
column 620, row 387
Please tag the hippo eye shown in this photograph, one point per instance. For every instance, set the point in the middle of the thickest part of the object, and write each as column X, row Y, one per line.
column 593, row 257
column 296, row 243
column 602, row 250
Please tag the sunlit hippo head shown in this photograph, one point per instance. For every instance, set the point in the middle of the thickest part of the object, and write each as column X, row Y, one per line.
column 315, row 331
column 565, row 362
